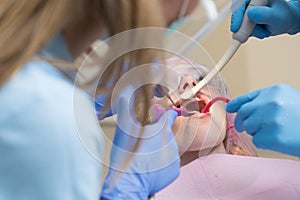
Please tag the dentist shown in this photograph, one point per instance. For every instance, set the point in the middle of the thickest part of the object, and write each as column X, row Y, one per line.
column 42, row 155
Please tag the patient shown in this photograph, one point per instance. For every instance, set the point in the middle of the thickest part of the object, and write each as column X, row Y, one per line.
column 217, row 162
column 202, row 134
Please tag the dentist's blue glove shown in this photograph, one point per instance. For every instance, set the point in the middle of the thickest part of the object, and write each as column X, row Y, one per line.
column 271, row 115
column 139, row 172
column 99, row 105
column 276, row 18
column 100, row 100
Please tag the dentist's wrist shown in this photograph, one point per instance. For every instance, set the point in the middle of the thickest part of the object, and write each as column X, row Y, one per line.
column 124, row 186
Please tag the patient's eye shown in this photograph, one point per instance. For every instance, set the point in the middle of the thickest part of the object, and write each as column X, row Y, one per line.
column 199, row 78
column 185, row 86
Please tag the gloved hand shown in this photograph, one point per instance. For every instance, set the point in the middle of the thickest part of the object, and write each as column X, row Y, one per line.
column 276, row 18
column 138, row 172
column 99, row 105
column 100, row 100
column 271, row 115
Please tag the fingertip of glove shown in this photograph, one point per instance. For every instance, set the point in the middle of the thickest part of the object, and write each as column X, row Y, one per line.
column 122, row 99
column 172, row 114
column 229, row 108
column 239, row 129
column 260, row 32
column 261, row 15
column 233, row 28
column 252, row 13
column 235, row 23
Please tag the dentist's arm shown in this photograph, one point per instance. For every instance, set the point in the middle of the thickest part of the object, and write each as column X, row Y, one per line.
column 278, row 17
column 138, row 172
column 271, row 115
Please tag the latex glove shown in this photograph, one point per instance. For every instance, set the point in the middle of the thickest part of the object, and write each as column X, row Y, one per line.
column 271, row 115
column 101, row 100
column 99, row 105
column 276, row 18
column 153, row 166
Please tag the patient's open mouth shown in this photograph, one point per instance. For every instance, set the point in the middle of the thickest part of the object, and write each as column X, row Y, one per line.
column 197, row 104
column 194, row 105
column 185, row 108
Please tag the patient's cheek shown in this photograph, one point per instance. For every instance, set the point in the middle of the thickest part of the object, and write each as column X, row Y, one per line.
column 184, row 133
column 189, row 133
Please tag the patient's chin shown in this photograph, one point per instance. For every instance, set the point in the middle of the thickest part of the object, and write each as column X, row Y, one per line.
column 209, row 137
column 194, row 134
column 201, row 134
column 208, row 142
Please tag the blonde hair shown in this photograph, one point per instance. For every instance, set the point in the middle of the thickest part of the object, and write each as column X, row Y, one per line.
column 130, row 15
column 27, row 25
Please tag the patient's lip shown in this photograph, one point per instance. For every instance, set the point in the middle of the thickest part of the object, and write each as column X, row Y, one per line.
column 200, row 115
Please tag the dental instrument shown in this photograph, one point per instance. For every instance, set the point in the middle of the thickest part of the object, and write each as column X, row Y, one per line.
column 157, row 110
column 169, row 98
column 241, row 36
column 183, row 112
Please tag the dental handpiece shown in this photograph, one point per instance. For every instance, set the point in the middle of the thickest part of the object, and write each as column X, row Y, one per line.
column 241, row 36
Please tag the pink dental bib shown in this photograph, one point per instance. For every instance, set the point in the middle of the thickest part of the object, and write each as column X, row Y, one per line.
column 228, row 177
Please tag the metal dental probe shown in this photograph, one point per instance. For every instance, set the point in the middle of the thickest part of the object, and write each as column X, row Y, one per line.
column 241, row 36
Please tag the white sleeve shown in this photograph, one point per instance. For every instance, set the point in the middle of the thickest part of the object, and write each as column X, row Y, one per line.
column 42, row 156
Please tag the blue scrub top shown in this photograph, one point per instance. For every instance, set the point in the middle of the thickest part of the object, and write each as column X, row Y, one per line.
column 50, row 138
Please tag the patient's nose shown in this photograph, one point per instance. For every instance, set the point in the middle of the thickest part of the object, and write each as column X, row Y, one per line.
column 187, row 82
